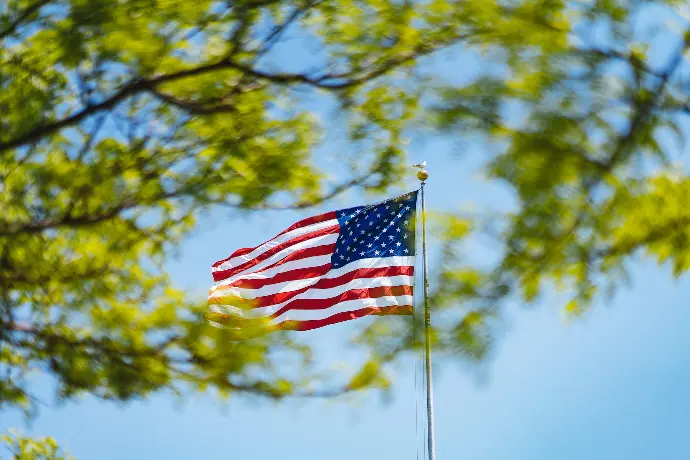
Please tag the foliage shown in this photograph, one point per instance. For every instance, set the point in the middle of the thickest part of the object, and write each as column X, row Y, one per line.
column 25, row 448
column 123, row 121
column 586, row 131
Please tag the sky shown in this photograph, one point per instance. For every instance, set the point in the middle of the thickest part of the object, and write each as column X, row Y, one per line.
column 611, row 385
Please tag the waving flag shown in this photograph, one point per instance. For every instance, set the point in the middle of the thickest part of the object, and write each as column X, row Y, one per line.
column 322, row 270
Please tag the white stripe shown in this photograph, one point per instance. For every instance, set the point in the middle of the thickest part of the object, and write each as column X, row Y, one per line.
column 318, row 241
column 239, row 260
column 287, row 286
column 359, row 283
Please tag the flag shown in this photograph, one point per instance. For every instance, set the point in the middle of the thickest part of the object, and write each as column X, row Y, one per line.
column 322, row 270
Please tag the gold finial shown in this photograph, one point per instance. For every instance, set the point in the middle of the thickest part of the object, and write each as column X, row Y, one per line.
column 422, row 174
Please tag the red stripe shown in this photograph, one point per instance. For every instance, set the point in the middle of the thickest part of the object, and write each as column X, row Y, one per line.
column 302, row 223
column 223, row 274
column 304, row 273
column 346, row 316
column 309, row 221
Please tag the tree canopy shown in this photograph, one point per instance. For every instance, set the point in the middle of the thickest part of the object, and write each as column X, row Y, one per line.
column 120, row 122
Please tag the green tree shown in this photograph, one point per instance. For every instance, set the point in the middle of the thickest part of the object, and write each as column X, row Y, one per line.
column 122, row 121
column 587, row 132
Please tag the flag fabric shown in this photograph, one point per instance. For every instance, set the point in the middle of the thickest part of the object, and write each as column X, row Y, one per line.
column 322, row 270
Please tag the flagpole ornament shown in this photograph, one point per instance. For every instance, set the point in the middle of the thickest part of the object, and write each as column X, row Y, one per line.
column 422, row 174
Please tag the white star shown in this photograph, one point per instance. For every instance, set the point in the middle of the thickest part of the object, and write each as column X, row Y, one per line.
column 355, row 240
column 369, row 245
column 383, row 245
column 376, row 252
column 350, row 233
column 387, row 206
column 342, row 257
column 378, row 215
column 405, row 236
column 400, row 205
column 362, row 232
column 376, row 237
column 385, row 220
column 358, row 224
column 371, row 223
column 348, row 248
column 336, row 250
column 391, row 251
column 361, row 253
column 407, row 222
column 348, row 259
column 398, row 243
column 384, row 230
column 390, row 237
column 406, row 251
column 397, row 229
column 407, row 207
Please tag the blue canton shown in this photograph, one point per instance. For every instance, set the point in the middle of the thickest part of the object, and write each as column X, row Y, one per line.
column 384, row 229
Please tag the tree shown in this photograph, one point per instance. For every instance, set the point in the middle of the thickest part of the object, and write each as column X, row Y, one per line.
column 122, row 121
column 586, row 130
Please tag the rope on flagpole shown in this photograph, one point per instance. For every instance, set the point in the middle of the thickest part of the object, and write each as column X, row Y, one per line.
column 422, row 175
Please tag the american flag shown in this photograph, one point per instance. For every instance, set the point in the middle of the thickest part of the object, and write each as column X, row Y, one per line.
column 322, row 270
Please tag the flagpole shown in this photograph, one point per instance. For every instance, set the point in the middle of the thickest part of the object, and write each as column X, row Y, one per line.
column 422, row 175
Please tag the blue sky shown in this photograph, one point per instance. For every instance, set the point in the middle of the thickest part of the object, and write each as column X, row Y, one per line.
column 612, row 385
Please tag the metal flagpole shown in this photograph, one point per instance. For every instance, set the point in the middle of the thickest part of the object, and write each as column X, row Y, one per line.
column 422, row 175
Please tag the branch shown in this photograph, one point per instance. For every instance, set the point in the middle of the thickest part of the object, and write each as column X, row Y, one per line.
column 139, row 85
column 644, row 108
column 97, row 348
column 193, row 107
column 83, row 220
column 630, row 59
column 22, row 17
column 39, row 132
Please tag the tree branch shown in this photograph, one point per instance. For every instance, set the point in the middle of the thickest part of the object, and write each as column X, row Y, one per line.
column 193, row 107
column 22, row 17
column 139, row 85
